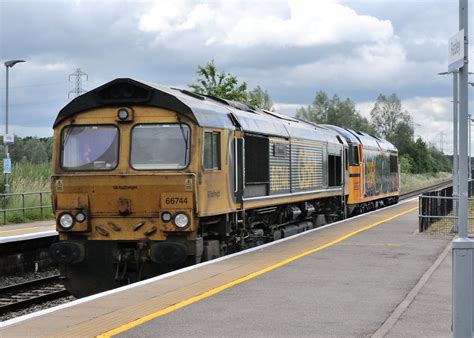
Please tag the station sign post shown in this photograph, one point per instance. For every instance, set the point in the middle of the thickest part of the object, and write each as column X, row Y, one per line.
column 456, row 51
column 462, row 246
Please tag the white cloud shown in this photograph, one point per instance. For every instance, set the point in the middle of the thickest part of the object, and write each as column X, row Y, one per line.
column 431, row 116
column 364, row 108
column 287, row 108
column 23, row 131
column 288, row 23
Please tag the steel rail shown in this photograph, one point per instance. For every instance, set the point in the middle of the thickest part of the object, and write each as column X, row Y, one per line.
column 21, row 295
column 416, row 192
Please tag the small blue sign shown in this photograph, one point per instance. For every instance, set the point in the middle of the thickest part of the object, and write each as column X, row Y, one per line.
column 7, row 166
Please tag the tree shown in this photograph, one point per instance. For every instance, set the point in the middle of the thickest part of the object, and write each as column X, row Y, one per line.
column 316, row 112
column 219, row 84
column 402, row 136
column 334, row 111
column 260, row 98
column 31, row 149
column 387, row 114
column 422, row 160
column 406, row 164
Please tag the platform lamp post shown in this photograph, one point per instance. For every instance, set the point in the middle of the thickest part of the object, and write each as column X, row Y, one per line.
column 6, row 187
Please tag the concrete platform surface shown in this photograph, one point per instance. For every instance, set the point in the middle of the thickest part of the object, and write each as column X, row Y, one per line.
column 25, row 231
column 349, row 289
column 344, row 280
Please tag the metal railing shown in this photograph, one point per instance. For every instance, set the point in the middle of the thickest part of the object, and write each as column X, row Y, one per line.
column 24, row 206
column 437, row 214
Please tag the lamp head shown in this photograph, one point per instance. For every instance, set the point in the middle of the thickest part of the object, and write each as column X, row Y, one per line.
column 11, row 63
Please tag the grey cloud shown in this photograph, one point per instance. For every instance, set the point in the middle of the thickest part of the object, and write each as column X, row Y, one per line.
column 103, row 39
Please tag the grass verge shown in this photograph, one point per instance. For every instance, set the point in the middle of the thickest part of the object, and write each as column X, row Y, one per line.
column 410, row 182
column 27, row 177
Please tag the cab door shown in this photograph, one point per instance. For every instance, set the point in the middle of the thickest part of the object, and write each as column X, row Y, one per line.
column 238, row 172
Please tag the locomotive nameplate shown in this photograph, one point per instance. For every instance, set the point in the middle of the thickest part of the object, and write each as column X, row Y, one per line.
column 176, row 200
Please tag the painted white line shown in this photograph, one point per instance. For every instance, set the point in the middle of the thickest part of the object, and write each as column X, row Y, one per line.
column 410, row 297
column 25, row 237
column 176, row 272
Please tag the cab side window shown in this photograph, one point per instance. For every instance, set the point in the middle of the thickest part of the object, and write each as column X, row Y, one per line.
column 354, row 155
column 212, row 148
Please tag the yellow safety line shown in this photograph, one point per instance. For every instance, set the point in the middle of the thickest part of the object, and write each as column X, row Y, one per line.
column 218, row 289
column 22, row 229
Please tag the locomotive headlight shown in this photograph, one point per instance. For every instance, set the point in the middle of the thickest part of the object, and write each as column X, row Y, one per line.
column 66, row 220
column 80, row 217
column 181, row 220
column 122, row 114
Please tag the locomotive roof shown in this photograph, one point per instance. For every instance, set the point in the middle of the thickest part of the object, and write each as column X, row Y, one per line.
column 358, row 137
column 346, row 133
column 208, row 111
column 205, row 110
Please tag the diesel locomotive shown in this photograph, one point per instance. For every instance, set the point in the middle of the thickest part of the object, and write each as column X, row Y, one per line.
column 148, row 178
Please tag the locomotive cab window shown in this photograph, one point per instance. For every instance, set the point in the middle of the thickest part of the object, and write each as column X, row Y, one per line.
column 393, row 164
column 334, row 171
column 160, row 146
column 211, row 160
column 354, row 155
column 89, row 147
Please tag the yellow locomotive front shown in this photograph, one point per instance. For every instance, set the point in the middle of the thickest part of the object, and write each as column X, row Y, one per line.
column 124, row 191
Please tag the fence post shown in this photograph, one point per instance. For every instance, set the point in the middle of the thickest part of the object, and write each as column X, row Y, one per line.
column 4, row 211
column 23, row 206
column 41, row 205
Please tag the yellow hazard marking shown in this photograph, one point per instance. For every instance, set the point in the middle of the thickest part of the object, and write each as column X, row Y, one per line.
column 218, row 289
column 22, row 229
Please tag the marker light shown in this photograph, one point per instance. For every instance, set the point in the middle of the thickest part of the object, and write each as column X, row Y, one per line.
column 80, row 217
column 66, row 220
column 181, row 220
column 122, row 114
column 166, row 217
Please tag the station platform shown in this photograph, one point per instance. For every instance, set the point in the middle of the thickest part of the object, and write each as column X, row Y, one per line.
column 371, row 275
column 26, row 231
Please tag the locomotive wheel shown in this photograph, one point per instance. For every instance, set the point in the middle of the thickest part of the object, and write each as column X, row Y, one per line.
column 96, row 273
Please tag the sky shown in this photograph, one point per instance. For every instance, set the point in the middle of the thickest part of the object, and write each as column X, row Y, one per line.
column 355, row 49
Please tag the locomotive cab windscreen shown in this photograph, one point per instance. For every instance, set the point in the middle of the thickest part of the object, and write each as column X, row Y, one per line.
column 93, row 147
column 160, row 146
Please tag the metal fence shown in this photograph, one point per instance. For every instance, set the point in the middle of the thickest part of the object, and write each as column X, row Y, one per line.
column 437, row 213
column 19, row 207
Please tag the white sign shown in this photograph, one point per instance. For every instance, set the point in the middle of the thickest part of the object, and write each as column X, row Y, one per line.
column 456, row 51
column 8, row 139
column 7, row 166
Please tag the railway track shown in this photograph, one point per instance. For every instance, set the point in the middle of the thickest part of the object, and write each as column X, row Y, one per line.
column 19, row 296
column 417, row 192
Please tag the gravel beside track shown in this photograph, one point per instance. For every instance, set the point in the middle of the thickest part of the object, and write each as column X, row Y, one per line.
column 17, row 279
